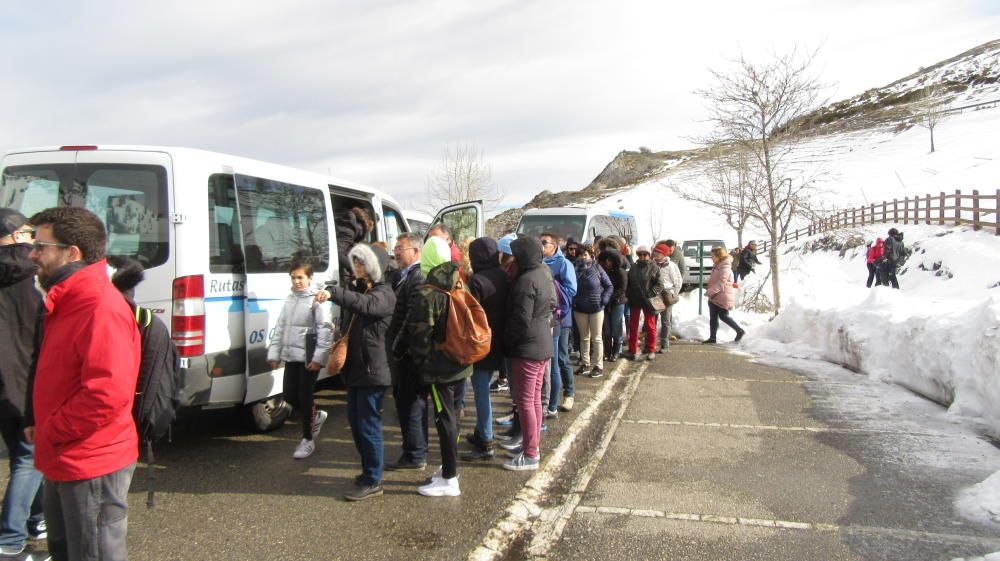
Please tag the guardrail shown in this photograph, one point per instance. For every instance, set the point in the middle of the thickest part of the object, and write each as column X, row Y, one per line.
column 956, row 209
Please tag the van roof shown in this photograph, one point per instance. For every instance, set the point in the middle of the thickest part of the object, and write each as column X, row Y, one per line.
column 197, row 153
column 575, row 210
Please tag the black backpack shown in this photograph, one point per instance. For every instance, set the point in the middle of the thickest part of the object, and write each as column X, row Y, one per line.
column 156, row 390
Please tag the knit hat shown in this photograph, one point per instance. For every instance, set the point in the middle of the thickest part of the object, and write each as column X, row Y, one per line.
column 662, row 249
column 435, row 252
column 503, row 244
column 642, row 249
column 10, row 221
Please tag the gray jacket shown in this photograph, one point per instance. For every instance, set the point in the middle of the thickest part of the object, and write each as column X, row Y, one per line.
column 301, row 316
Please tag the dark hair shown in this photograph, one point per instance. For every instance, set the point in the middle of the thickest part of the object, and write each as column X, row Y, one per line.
column 549, row 235
column 364, row 217
column 585, row 249
column 893, row 231
column 671, row 243
column 440, row 227
column 303, row 264
column 75, row 226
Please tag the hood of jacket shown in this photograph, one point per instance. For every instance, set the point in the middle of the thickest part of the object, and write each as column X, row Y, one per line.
column 527, row 252
column 444, row 276
column 435, row 252
column 375, row 259
column 484, row 254
column 555, row 257
column 15, row 266
column 617, row 259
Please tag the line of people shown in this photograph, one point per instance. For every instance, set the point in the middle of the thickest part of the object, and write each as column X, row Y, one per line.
column 543, row 300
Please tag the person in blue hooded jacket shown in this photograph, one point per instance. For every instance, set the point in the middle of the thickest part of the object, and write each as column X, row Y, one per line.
column 565, row 280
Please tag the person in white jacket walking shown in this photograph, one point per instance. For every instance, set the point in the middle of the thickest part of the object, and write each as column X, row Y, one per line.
column 302, row 340
column 670, row 276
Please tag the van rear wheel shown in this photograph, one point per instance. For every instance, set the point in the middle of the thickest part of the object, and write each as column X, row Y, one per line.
column 268, row 414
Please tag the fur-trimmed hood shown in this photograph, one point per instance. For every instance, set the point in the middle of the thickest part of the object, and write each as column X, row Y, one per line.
column 375, row 259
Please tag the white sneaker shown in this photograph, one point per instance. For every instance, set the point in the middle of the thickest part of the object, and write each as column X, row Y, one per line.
column 441, row 487
column 304, row 449
column 318, row 421
column 567, row 404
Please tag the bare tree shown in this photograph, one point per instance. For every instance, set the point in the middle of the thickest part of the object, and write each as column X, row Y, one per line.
column 463, row 176
column 929, row 111
column 748, row 105
column 729, row 172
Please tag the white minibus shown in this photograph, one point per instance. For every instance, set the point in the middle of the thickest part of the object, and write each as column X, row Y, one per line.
column 216, row 234
column 581, row 224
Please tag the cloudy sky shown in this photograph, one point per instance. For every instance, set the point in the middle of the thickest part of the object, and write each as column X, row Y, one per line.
column 374, row 91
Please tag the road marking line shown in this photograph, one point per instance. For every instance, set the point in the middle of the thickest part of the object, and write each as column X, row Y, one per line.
column 726, row 379
column 549, row 528
column 525, row 507
column 834, row 430
column 789, row 525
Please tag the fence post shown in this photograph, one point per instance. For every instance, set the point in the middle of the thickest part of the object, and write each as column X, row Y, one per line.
column 854, row 217
column 895, row 210
column 996, row 215
column 975, row 210
column 941, row 210
column 927, row 208
column 958, row 207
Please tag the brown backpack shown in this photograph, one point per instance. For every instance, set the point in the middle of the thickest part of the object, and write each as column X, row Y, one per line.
column 467, row 331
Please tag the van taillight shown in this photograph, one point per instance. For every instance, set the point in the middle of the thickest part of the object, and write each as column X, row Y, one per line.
column 188, row 319
column 78, row 147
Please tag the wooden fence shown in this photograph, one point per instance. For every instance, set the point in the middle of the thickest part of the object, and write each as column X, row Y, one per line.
column 942, row 209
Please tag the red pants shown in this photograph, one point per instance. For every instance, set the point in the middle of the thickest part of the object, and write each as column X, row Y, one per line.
column 648, row 324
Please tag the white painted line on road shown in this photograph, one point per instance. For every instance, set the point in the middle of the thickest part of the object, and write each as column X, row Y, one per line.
column 936, row 537
column 525, row 507
column 549, row 528
column 725, row 379
column 834, row 430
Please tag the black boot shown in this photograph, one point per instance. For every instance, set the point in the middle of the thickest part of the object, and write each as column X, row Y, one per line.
column 482, row 450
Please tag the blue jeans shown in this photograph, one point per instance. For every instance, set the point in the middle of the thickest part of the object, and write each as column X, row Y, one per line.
column 614, row 321
column 565, row 368
column 555, row 380
column 484, row 409
column 364, row 406
column 22, row 503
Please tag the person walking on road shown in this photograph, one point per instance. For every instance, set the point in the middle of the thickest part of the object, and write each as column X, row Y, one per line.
column 366, row 309
column 409, row 394
column 301, row 340
column 425, row 328
column 20, row 306
column 670, row 276
column 86, row 442
column 594, row 290
column 721, row 295
column 531, row 303
column 565, row 280
column 643, row 284
column 489, row 287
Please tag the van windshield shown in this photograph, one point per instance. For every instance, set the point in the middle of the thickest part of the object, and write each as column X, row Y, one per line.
column 564, row 226
column 131, row 201
column 691, row 248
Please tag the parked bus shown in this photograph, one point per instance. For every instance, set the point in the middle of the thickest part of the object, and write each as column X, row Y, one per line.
column 581, row 224
column 216, row 234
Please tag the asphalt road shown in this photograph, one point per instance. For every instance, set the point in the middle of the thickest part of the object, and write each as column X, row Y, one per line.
column 700, row 454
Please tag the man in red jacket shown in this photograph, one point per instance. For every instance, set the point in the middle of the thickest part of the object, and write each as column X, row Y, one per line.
column 86, row 443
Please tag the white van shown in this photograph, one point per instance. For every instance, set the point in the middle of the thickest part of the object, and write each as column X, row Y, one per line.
column 581, row 224
column 216, row 234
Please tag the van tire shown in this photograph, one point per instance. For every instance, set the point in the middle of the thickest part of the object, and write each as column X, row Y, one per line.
column 268, row 414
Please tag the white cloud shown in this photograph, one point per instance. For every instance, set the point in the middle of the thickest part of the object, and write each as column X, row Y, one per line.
column 550, row 91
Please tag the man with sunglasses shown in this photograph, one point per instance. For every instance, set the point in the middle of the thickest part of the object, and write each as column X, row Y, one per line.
column 85, row 438
column 20, row 304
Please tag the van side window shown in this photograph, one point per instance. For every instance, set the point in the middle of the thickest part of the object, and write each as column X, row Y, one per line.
column 393, row 224
column 225, row 255
column 281, row 222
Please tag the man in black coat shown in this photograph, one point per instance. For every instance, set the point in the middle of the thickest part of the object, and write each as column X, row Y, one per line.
column 409, row 394
column 747, row 261
column 20, row 307
column 892, row 257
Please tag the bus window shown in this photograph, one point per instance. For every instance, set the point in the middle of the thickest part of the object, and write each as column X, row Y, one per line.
column 282, row 222
column 393, row 224
column 224, row 251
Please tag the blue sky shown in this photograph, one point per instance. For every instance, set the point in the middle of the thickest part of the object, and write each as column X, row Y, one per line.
column 375, row 91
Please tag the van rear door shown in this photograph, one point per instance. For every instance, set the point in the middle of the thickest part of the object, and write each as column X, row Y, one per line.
column 280, row 222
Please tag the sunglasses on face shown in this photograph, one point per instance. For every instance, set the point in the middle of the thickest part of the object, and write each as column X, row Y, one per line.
column 39, row 246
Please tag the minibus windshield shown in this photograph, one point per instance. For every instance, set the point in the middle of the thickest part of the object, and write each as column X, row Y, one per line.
column 564, row 226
